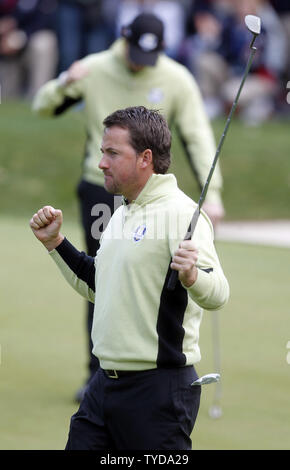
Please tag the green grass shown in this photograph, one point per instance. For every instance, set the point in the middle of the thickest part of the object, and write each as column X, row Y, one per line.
column 255, row 166
column 254, row 331
column 43, row 347
column 41, row 161
column 42, row 343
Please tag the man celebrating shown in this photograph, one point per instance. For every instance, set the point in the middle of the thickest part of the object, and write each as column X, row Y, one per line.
column 146, row 337
column 134, row 71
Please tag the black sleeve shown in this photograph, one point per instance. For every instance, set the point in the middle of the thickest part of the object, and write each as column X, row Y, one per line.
column 81, row 264
column 67, row 103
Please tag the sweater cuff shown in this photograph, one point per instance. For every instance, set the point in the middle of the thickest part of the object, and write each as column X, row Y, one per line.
column 201, row 284
column 68, row 253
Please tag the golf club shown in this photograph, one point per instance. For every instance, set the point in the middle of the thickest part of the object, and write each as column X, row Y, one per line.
column 207, row 379
column 253, row 24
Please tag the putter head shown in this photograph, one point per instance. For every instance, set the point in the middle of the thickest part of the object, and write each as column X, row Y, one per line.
column 207, row 379
column 253, row 24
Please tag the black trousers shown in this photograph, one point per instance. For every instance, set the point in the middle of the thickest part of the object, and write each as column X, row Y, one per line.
column 89, row 195
column 148, row 410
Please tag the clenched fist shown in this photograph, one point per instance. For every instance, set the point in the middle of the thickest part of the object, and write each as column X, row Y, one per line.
column 45, row 225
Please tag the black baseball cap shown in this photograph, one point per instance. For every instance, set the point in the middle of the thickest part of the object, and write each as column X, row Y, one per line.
column 145, row 38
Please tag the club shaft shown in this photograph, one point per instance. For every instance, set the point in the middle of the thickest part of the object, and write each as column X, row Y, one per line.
column 174, row 274
column 233, row 108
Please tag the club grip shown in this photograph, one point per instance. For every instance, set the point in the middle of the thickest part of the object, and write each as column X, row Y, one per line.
column 172, row 280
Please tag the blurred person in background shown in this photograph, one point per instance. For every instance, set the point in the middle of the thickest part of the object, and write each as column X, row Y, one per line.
column 282, row 7
column 263, row 89
column 84, row 27
column 133, row 71
column 218, row 51
column 28, row 46
column 206, row 53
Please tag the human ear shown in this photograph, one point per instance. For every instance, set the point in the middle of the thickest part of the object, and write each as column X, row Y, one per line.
column 146, row 158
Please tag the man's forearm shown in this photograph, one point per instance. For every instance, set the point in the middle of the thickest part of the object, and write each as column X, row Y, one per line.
column 77, row 268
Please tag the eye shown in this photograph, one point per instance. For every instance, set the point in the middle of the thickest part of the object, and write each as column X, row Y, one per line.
column 109, row 152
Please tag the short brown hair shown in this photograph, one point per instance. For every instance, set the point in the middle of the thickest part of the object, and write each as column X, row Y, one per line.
column 148, row 130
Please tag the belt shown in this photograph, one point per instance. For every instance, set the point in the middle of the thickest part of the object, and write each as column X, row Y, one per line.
column 116, row 374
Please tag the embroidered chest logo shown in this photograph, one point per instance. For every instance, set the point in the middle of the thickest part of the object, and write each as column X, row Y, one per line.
column 139, row 233
column 155, row 95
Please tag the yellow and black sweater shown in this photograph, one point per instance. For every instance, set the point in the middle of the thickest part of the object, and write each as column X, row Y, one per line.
column 139, row 324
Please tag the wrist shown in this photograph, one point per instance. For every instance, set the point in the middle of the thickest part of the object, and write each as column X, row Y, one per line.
column 190, row 278
column 54, row 242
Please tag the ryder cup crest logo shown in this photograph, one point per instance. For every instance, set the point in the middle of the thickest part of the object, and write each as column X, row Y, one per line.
column 155, row 95
column 139, row 233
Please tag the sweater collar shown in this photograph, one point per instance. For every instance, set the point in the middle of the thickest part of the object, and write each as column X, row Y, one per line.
column 156, row 187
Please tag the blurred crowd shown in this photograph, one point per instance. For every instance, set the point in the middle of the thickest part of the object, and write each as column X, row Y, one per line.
column 41, row 38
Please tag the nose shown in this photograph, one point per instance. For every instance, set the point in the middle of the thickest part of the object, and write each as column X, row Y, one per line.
column 103, row 165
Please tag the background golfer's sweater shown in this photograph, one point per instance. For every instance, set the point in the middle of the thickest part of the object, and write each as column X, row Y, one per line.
column 110, row 85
